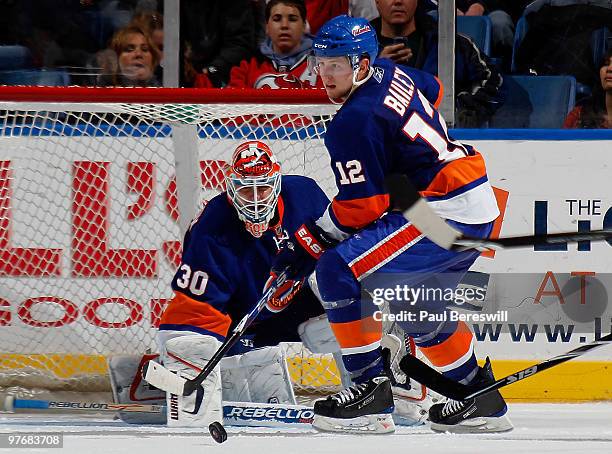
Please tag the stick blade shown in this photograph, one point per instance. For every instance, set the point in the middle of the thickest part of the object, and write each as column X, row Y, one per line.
column 431, row 378
column 157, row 375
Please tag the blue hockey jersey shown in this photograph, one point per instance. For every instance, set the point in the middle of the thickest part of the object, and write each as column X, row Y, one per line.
column 224, row 268
column 390, row 124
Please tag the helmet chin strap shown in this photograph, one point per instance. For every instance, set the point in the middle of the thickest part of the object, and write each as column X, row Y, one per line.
column 358, row 83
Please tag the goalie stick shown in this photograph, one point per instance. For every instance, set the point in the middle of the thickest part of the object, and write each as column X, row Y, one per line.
column 428, row 376
column 12, row 404
column 234, row 413
column 416, row 210
column 157, row 375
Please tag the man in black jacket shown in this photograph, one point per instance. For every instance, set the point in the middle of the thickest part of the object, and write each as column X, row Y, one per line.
column 409, row 36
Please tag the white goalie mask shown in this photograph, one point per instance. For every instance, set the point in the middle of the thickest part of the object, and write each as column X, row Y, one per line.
column 253, row 184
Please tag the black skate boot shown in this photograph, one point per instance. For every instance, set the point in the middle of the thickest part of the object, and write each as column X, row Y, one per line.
column 486, row 413
column 363, row 408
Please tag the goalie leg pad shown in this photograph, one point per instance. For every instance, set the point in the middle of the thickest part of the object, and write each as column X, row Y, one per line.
column 317, row 336
column 187, row 355
column 128, row 387
column 260, row 375
column 235, row 380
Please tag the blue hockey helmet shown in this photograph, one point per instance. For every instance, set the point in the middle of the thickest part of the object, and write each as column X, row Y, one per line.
column 347, row 36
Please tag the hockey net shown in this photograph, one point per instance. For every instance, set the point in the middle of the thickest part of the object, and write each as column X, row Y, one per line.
column 91, row 181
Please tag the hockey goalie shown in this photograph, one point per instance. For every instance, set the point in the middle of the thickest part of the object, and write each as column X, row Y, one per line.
column 232, row 252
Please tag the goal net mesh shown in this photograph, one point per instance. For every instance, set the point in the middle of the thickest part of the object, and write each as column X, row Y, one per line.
column 89, row 232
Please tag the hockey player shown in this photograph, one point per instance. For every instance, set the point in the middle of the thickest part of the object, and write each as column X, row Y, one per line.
column 389, row 123
column 229, row 254
column 281, row 61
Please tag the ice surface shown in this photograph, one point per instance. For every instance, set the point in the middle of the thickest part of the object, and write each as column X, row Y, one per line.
column 539, row 428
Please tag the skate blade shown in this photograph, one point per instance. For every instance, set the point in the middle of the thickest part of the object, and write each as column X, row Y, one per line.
column 476, row 425
column 368, row 424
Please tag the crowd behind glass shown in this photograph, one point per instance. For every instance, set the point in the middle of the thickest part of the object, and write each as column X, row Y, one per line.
column 504, row 48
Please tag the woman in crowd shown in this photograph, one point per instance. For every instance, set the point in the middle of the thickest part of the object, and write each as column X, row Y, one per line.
column 596, row 111
column 134, row 61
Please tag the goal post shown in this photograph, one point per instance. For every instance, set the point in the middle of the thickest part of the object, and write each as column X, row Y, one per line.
column 92, row 181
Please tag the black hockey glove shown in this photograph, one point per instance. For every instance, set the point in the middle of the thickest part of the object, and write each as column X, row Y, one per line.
column 297, row 258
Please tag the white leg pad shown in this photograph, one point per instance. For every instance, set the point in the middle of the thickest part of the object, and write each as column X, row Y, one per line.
column 260, row 375
column 187, row 355
column 128, row 387
column 235, row 380
column 317, row 336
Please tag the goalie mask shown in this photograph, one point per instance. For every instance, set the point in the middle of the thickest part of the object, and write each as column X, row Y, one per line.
column 253, row 184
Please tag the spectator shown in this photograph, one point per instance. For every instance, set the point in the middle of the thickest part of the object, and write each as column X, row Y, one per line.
column 409, row 36
column 152, row 23
column 596, row 111
column 136, row 59
column 282, row 58
column 215, row 35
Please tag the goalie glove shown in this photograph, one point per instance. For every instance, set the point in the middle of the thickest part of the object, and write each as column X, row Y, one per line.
column 285, row 291
column 296, row 259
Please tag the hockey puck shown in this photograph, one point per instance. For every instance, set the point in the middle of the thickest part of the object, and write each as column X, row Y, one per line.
column 217, row 432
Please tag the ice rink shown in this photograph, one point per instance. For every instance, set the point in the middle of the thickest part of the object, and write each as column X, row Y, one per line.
column 539, row 428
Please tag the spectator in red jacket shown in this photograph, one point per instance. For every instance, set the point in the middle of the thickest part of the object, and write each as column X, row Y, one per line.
column 596, row 111
column 282, row 59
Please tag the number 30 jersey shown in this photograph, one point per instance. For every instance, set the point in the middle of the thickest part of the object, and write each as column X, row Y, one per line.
column 224, row 268
column 391, row 124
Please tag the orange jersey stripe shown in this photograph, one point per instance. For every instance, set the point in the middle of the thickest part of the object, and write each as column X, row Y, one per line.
column 382, row 252
column 358, row 333
column 452, row 349
column 357, row 213
column 183, row 310
column 456, row 174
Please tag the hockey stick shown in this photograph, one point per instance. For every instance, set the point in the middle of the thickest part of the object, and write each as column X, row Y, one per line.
column 234, row 413
column 416, row 210
column 428, row 376
column 157, row 375
column 12, row 403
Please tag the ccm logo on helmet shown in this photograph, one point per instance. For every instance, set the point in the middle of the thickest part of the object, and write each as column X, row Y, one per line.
column 309, row 242
column 360, row 30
